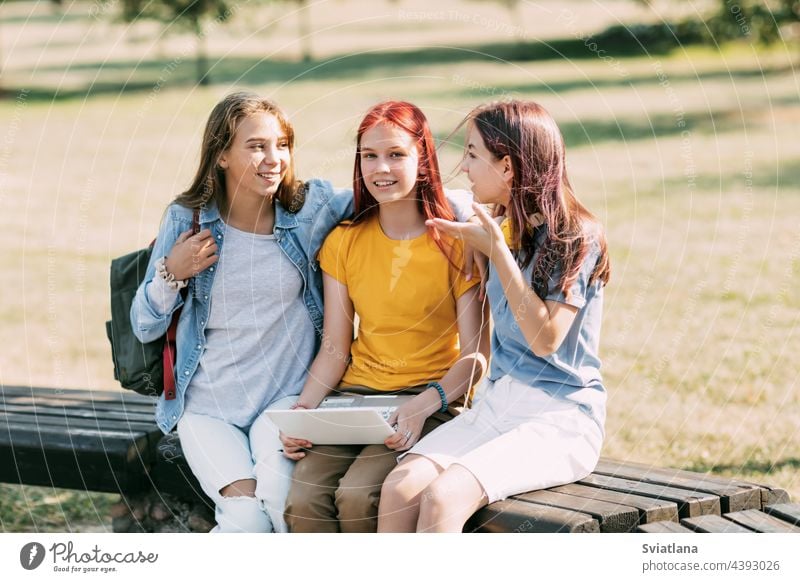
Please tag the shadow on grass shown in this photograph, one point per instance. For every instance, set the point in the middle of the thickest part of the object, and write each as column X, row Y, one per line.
column 131, row 76
column 252, row 71
column 748, row 467
column 596, row 132
column 783, row 175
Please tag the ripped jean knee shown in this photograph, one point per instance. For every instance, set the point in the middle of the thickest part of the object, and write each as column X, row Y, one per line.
column 241, row 515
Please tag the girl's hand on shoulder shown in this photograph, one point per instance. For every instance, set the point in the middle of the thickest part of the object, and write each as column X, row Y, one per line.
column 480, row 232
column 192, row 254
column 408, row 420
column 293, row 448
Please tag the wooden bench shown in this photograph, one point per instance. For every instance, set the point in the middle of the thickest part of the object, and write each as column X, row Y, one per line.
column 108, row 441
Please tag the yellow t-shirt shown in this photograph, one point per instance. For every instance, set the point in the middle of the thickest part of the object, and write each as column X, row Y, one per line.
column 404, row 292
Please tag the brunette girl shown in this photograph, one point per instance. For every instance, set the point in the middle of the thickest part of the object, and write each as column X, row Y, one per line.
column 539, row 419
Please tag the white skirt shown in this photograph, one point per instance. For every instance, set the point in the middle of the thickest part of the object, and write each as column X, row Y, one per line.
column 516, row 438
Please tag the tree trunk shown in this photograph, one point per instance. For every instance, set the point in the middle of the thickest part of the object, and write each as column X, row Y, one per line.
column 304, row 29
column 203, row 77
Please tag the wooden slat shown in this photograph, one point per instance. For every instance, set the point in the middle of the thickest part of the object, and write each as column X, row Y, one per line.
column 612, row 517
column 66, row 422
column 733, row 497
column 517, row 516
column 761, row 522
column 662, row 527
column 769, row 495
column 116, row 466
column 15, row 434
column 77, row 412
column 679, row 472
column 773, row 495
column 100, row 395
column 86, row 404
column 690, row 503
column 788, row 512
column 713, row 524
column 650, row 509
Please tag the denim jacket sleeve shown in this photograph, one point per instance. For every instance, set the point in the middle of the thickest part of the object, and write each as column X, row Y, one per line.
column 147, row 321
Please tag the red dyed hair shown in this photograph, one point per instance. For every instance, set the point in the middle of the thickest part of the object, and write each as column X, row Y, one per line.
column 430, row 193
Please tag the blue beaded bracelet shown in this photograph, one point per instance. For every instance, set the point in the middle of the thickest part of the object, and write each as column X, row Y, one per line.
column 442, row 395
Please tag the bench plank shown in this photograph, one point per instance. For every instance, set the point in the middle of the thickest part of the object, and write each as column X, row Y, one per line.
column 713, row 524
column 119, row 415
column 114, row 467
column 98, row 395
column 761, row 522
column 690, row 503
column 67, row 421
column 789, row 512
column 662, row 527
column 650, row 509
column 517, row 516
column 80, row 439
column 612, row 517
column 733, row 496
column 70, row 403
column 773, row 495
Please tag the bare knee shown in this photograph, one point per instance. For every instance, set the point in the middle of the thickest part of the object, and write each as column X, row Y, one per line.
column 447, row 503
column 403, row 485
column 436, row 495
column 240, row 488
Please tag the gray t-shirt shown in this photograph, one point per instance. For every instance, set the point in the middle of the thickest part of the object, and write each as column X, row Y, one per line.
column 259, row 337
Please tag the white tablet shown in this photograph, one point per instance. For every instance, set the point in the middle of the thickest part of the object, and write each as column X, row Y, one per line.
column 333, row 426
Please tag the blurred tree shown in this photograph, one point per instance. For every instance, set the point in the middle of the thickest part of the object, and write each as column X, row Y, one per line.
column 761, row 20
column 515, row 18
column 199, row 16
column 304, row 28
column 54, row 3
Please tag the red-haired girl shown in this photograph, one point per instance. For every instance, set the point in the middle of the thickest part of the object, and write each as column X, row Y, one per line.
column 539, row 419
column 419, row 326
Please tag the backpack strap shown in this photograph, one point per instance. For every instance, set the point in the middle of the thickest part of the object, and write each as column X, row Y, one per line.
column 170, row 345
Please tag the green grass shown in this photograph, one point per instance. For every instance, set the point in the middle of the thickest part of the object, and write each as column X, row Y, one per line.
column 689, row 159
column 41, row 509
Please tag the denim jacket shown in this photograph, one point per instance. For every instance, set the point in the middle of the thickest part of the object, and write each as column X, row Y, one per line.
column 299, row 235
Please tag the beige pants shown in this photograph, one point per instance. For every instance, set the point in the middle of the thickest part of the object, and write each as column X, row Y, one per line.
column 337, row 488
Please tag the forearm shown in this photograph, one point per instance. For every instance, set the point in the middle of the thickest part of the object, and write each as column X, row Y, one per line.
column 530, row 312
column 326, row 372
column 458, row 380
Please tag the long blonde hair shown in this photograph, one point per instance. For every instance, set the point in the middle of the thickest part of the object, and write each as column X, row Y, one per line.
column 209, row 180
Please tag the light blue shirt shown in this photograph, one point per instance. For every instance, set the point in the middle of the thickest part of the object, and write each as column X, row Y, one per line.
column 572, row 372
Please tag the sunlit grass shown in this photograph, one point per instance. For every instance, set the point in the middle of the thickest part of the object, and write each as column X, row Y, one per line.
column 690, row 160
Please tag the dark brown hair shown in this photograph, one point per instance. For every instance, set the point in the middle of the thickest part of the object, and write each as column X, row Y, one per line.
column 526, row 133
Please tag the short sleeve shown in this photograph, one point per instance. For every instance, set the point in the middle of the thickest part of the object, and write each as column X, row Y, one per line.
column 460, row 283
column 579, row 289
column 333, row 254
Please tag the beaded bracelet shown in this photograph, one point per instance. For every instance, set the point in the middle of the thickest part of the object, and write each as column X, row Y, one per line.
column 442, row 395
column 169, row 278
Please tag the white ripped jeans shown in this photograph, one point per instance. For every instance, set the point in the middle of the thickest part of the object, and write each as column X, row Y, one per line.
column 220, row 453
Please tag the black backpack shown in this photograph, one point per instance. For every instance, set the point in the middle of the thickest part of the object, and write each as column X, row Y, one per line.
column 146, row 368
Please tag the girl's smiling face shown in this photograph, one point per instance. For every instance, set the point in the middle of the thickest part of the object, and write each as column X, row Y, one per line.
column 257, row 160
column 491, row 178
column 389, row 162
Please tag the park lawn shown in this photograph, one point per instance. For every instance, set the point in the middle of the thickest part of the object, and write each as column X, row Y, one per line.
column 688, row 158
